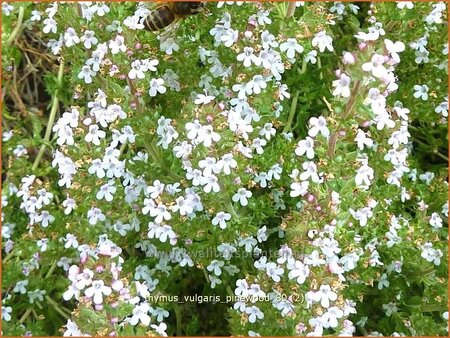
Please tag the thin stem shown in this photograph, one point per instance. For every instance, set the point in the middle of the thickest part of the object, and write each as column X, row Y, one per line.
column 228, row 204
column 351, row 101
column 292, row 112
column 122, row 149
column 319, row 65
column 51, row 119
column 50, row 271
column 178, row 319
column 303, row 69
column 56, row 307
column 290, row 10
column 437, row 153
column 16, row 29
column 348, row 109
column 25, row 316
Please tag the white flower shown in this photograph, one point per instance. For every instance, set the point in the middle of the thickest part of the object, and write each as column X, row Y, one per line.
column 291, row 47
column 160, row 213
column 94, row 215
column 6, row 310
column 226, row 163
column 247, row 57
column 20, row 287
column 94, row 135
column 342, row 86
column 206, row 135
column 229, row 37
column 323, row 41
column 311, row 57
column 50, row 25
column 442, row 108
column 242, row 195
column 318, row 125
column 70, row 37
column 268, row 40
column 140, row 314
column 298, row 271
column 376, row 66
column 421, row 91
column 394, row 48
column 86, row 74
column 215, row 267
column 256, row 84
column 299, row 188
column 204, row 98
column 160, row 329
column 97, row 290
column 435, row 221
column 310, row 172
column 211, row 183
column 137, row 70
column 72, row 329
column 117, row 45
column 324, row 295
column 254, row 313
column 403, row 4
column 106, row 191
column 169, row 46
column 7, row 9
column 156, row 86
column 364, row 175
column 330, row 318
column 362, row 140
column 221, row 218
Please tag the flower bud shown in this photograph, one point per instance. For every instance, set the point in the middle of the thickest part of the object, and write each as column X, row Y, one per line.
column 348, row 58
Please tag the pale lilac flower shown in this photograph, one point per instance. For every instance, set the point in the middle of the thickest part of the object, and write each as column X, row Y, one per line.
column 435, row 221
column 7, row 9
